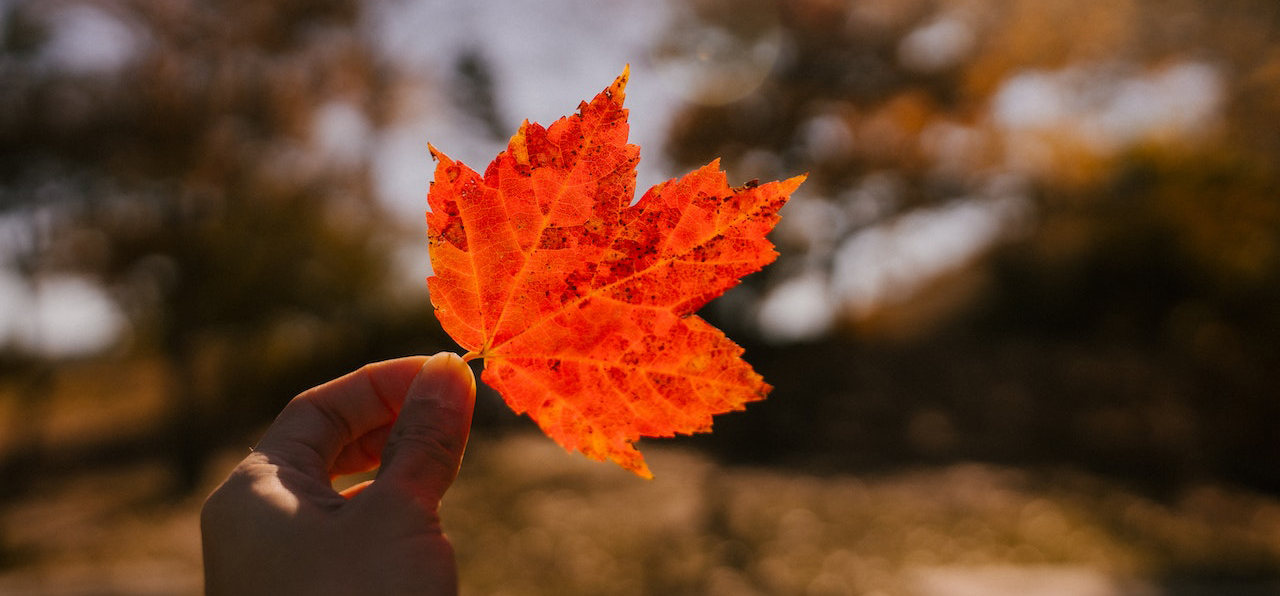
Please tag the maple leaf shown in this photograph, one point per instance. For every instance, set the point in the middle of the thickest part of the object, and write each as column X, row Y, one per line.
column 580, row 302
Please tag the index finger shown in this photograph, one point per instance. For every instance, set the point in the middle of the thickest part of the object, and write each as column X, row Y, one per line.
column 327, row 423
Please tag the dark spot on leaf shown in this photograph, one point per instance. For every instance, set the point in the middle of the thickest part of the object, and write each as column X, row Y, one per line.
column 455, row 233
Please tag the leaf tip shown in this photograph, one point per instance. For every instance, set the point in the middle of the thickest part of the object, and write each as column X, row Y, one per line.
column 518, row 146
column 438, row 155
column 638, row 467
column 617, row 91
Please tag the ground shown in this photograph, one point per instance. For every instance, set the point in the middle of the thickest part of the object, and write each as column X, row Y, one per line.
column 527, row 518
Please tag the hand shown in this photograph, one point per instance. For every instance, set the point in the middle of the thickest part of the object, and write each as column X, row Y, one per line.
column 276, row 526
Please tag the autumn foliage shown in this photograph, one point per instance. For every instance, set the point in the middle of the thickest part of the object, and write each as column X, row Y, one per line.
column 580, row 302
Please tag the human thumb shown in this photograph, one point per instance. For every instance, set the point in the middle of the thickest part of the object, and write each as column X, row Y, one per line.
column 424, row 449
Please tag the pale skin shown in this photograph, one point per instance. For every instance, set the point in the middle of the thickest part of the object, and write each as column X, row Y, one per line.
column 276, row 526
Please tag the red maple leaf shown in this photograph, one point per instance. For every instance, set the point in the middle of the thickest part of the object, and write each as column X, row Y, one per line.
column 582, row 303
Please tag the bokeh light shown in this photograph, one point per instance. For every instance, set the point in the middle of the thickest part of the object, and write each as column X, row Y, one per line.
column 1021, row 330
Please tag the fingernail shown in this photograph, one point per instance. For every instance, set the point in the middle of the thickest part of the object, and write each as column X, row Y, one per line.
column 445, row 370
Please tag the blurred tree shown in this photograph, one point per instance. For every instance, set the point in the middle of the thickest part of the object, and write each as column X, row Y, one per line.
column 1126, row 320
column 193, row 177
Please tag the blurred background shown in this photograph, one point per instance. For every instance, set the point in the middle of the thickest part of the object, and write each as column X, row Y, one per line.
column 1023, row 329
